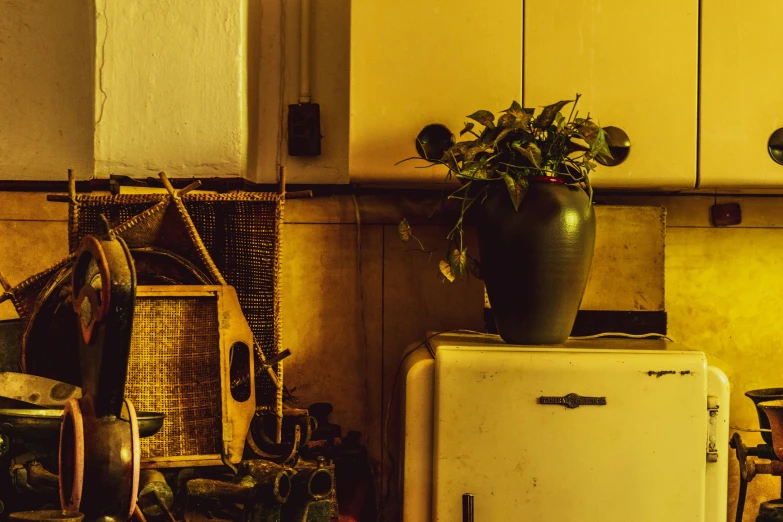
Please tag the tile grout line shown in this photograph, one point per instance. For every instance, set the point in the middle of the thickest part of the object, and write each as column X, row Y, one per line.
column 11, row 220
column 383, row 363
column 384, row 224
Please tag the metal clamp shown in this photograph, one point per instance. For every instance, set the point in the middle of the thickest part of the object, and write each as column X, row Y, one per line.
column 712, row 429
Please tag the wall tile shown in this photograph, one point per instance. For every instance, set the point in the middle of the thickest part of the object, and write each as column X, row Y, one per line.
column 724, row 291
column 28, row 247
column 31, row 206
column 627, row 271
column 683, row 210
column 758, row 211
column 323, row 209
column 323, row 323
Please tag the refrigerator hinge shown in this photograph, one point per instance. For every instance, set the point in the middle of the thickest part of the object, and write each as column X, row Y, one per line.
column 712, row 428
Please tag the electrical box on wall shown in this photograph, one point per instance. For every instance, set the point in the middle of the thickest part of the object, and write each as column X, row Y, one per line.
column 304, row 129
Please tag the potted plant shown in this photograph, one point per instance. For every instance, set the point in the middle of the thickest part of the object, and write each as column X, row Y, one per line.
column 526, row 177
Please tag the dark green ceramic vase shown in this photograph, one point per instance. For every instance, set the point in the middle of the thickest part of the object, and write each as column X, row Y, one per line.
column 535, row 261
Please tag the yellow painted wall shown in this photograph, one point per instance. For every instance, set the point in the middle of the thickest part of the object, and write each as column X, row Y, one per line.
column 46, row 88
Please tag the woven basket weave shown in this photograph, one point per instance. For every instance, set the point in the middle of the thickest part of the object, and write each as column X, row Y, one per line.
column 241, row 233
column 174, row 369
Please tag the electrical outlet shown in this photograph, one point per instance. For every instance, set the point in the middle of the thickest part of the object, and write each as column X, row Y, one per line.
column 304, row 129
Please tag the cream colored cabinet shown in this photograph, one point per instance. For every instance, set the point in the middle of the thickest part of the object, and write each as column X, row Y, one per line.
column 416, row 62
column 636, row 66
column 741, row 101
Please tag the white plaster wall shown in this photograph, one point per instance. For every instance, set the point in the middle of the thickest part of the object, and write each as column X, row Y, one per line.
column 46, row 89
column 170, row 87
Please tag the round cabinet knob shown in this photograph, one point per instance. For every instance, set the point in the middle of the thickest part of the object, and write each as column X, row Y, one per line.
column 775, row 146
column 433, row 141
column 619, row 145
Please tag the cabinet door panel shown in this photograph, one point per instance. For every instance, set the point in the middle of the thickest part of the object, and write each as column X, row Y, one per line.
column 416, row 62
column 636, row 66
column 741, row 104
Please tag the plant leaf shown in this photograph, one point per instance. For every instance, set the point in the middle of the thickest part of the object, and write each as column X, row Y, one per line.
column 458, row 261
column 530, row 151
column 599, row 146
column 589, row 131
column 445, row 270
column 468, row 127
column 473, row 170
column 506, row 121
column 515, row 107
column 404, row 230
column 560, row 121
column 517, row 188
column 603, row 149
column 449, row 160
column 455, row 154
column 502, row 134
column 489, row 135
column 471, row 152
column 515, row 116
column 485, row 118
column 547, row 116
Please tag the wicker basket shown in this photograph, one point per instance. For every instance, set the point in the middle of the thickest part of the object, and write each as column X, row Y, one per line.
column 231, row 239
column 188, row 344
column 240, row 232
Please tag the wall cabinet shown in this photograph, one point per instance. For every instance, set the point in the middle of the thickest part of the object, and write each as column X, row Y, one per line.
column 416, row 62
column 636, row 66
column 741, row 104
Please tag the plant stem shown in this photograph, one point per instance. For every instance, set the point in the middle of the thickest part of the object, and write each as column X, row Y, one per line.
column 573, row 107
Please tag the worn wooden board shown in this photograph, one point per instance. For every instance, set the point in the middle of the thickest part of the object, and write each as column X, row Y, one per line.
column 628, row 263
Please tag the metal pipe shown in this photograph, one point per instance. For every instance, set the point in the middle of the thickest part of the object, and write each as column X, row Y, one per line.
column 743, row 491
column 263, row 483
column 312, row 484
column 218, row 489
column 38, row 476
column 304, row 53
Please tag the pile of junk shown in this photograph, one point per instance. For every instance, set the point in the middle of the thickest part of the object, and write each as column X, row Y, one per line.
column 144, row 377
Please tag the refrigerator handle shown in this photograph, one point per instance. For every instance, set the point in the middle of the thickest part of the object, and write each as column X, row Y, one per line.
column 467, row 507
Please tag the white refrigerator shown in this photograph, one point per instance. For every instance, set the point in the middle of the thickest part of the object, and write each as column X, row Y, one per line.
column 589, row 431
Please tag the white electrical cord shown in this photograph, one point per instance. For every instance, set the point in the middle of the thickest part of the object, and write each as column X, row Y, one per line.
column 621, row 334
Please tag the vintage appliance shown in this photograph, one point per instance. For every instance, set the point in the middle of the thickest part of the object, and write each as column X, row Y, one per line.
column 599, row 430
column 765, row 458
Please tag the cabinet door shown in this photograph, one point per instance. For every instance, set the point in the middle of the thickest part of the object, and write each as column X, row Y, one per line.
column 741, row 104
column 416, row 62
column 636, row 66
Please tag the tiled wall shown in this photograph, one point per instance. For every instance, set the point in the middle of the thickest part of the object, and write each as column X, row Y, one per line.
column 724, row 288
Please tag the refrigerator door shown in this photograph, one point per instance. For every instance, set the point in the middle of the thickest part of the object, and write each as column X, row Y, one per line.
column 641, row 456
